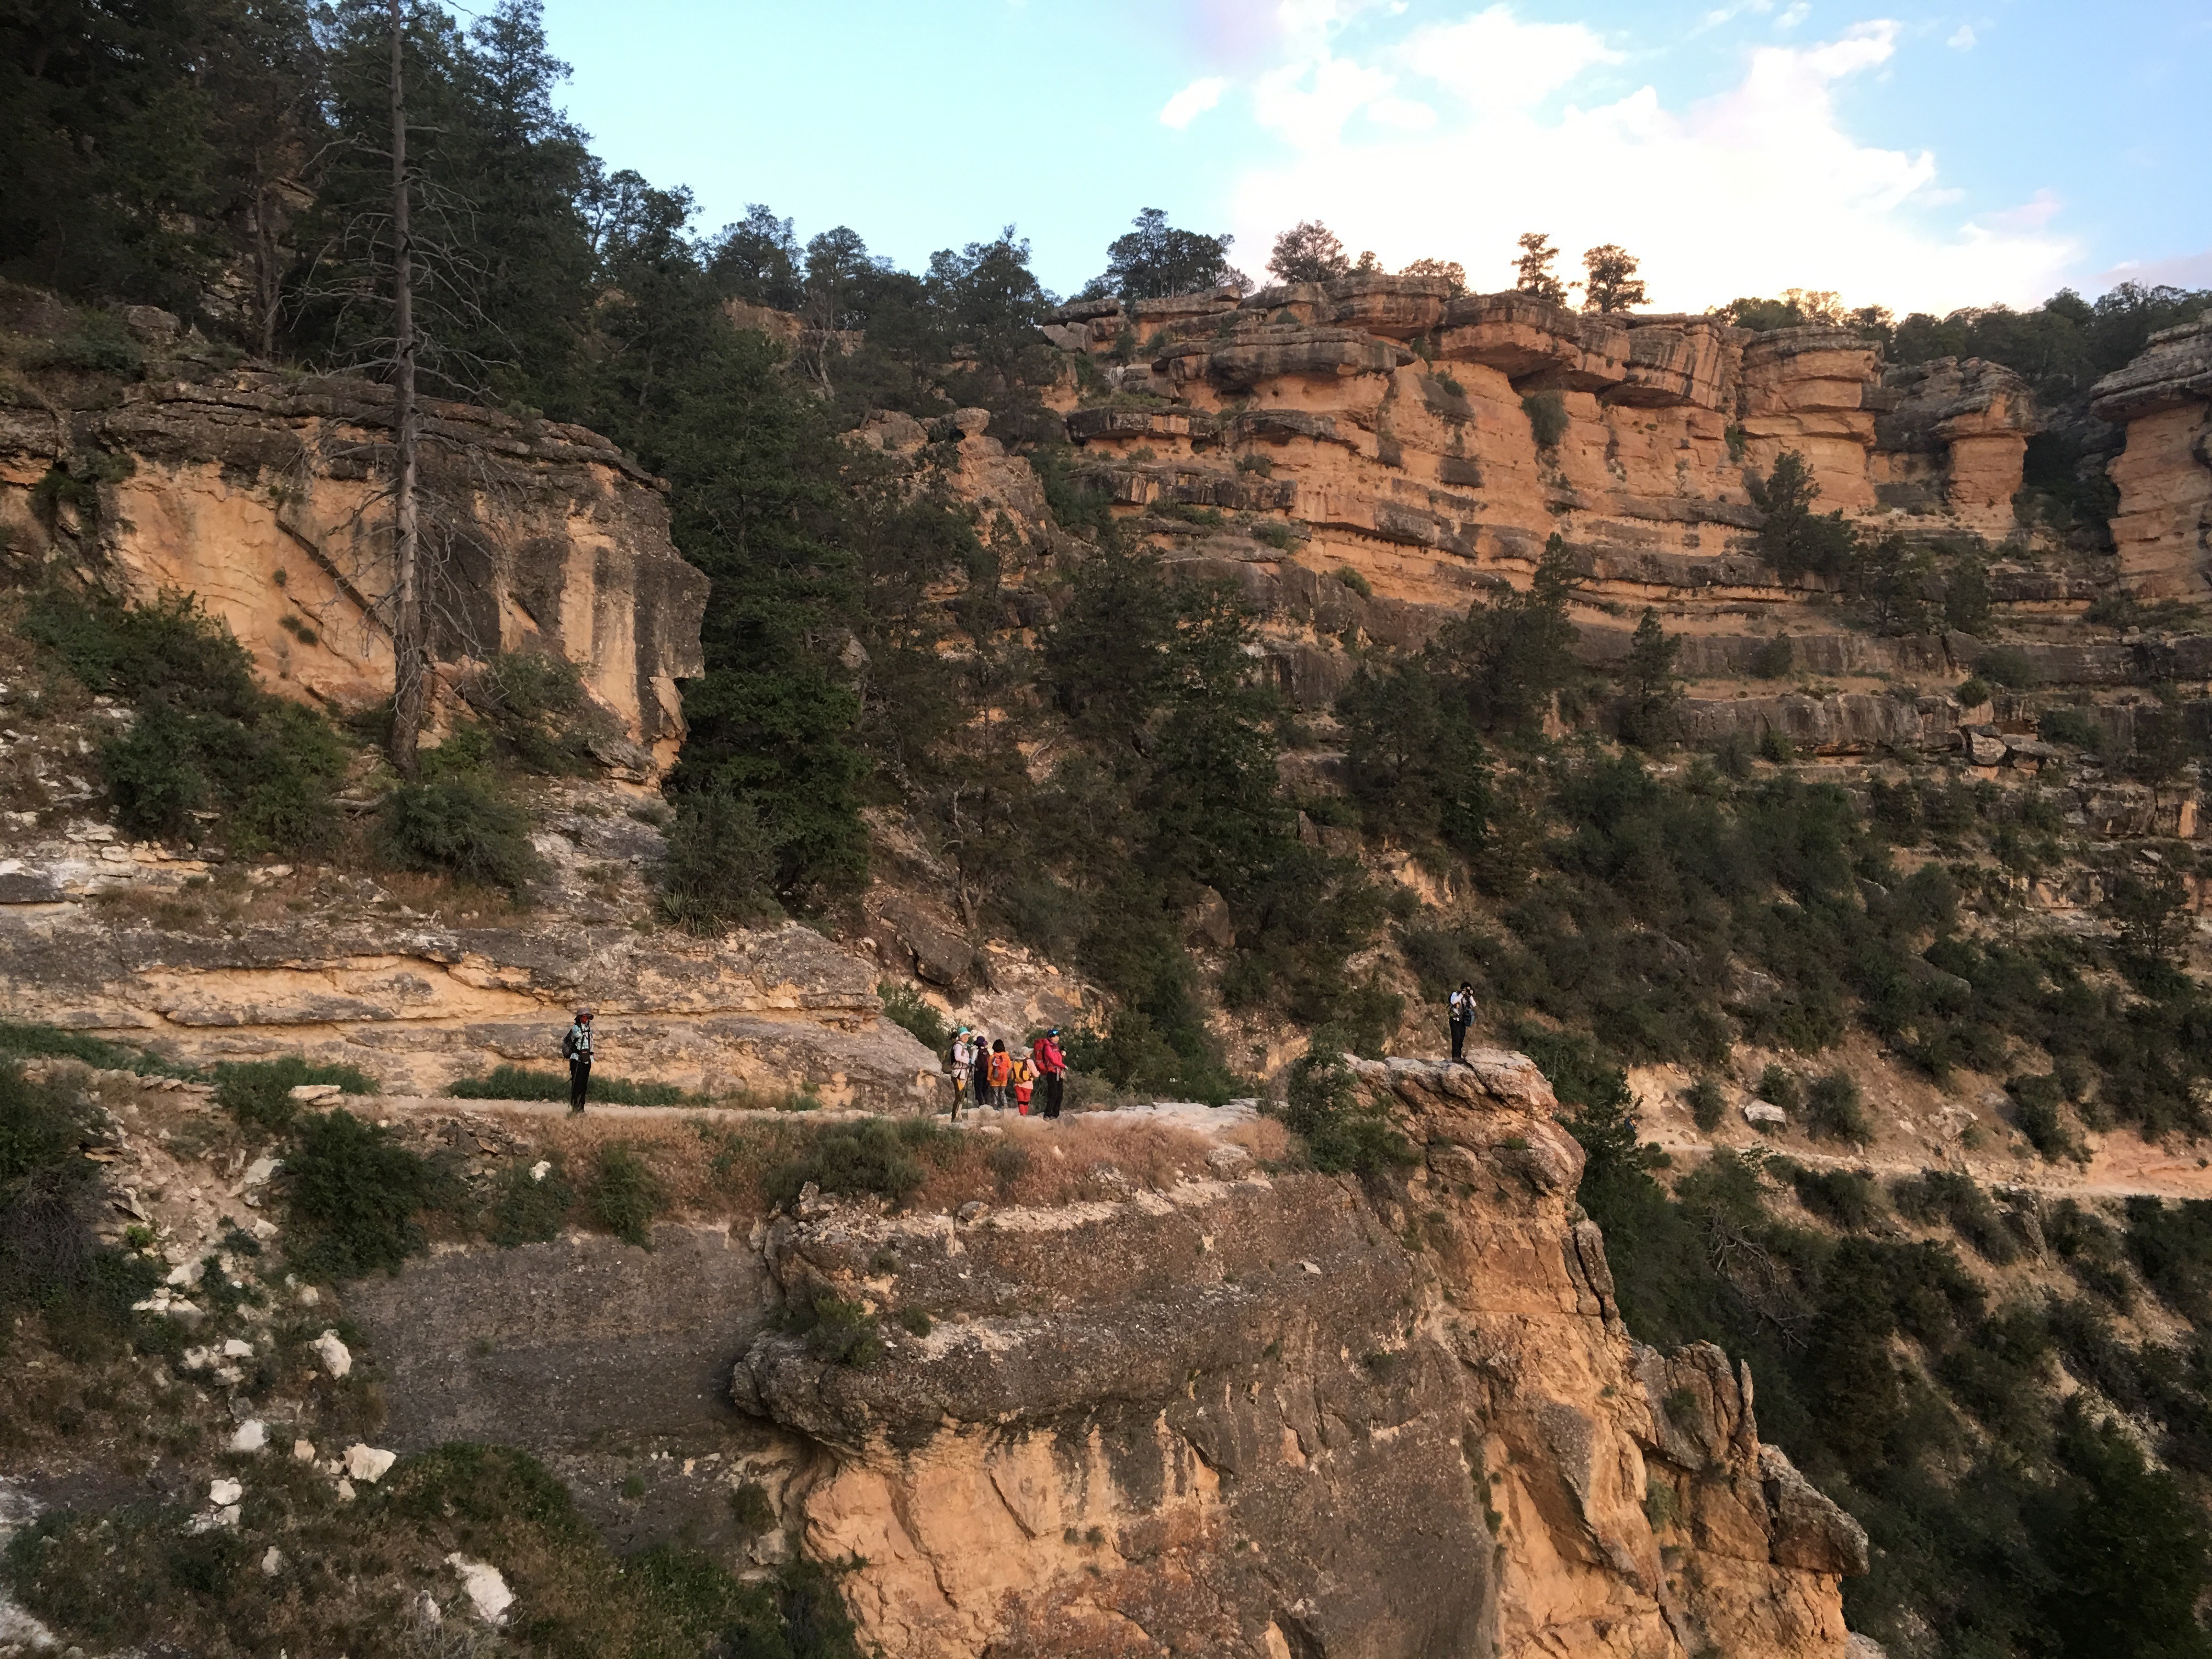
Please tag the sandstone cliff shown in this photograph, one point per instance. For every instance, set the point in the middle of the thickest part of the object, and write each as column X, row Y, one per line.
column 1236, row 1412
column 2163, row 531
column 266, row 495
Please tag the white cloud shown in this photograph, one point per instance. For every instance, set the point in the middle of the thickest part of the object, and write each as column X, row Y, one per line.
column 1193, row 101
column 1962, row 38
column 1755, row 190
column 1791, row 18
column 1490, row 61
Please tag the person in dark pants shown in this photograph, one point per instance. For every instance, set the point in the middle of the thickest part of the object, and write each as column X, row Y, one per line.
column 576, row 1049
column 1462, row 1016
column 1052, row 1067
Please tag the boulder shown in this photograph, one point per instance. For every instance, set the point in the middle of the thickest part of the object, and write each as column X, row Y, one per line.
column 1810, row 1532
column 336, row 1359
column 940, row 954
column 1764, row 1111
column 367, row 1464
column 485, row 1586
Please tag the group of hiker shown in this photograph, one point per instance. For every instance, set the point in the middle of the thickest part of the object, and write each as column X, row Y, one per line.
column 985, row 1073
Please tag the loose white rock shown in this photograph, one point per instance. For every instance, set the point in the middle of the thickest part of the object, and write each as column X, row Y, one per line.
column 486, row 1589
column 336, row 1358
column 540, row 1170
column 303, row 1451
column 309, row 1093
column 234, row 1349
column 251, row 1437
column 345, row 1492
column 223, row 1493
column 258, row 1171
column 272, row 1561
column 1764, row 1111
column 368, row 1463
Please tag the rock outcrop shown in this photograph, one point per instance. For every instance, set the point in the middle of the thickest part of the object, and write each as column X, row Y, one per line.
column 1290, row 1414
column 2163, row 530
column 266, row 495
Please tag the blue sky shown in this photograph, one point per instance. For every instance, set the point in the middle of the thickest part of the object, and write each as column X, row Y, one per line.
column 1922, row 157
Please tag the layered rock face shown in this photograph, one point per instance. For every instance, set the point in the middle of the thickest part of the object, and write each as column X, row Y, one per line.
column 1432, row 442
column 1290, row 1415
column 2163, row 531
column 267, row 497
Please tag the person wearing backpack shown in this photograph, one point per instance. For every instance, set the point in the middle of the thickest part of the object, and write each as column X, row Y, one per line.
column 963, row 1060
column 1461, row 1014
column 1001, row 1073
column 1025, row 1083
column 980, row 1072
column 1052, row 1065
column 576, row 1049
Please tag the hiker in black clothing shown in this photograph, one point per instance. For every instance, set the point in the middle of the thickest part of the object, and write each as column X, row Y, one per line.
column 1462, row 1016
column 576, row 1049
column 980, row 1072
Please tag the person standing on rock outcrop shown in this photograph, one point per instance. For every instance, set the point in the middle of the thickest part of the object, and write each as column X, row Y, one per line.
column 576, row 1049
column 1461, row 1013
column 1052, row 1065
column 963, row 1058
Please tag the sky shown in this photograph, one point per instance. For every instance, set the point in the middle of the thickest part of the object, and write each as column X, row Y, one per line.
column 1920, row 157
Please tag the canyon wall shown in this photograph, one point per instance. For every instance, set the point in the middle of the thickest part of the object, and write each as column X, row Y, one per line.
column 1432, row 442
column 1255, row 1413
column 2163, row 530
column 267, row 496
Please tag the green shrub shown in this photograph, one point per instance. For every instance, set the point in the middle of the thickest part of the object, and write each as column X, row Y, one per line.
column 1774, row 745
column 1706, row 1103
column 2036, row 1103
column 841, row 1332
column 1851, row 1199
column 97, row 343
column 2093, row 1249
column 25, row 1042
column 50, row 1256
column 2009, row 665
column 2172, row 1244
column 1941, row 1197
column 751, row 1510
column 530, row 1210
column 354, row 1193
column 1341, row 1130
column 625, row 1195
column 903, row 1006
column 539, row 712
column 1773, row 659
column 1973, row 691
column 511, row 1082
column 1779, row 1087
column 456, row 827
column 1547, row 417
column 873, row 1155
column 259, row 1092
column 1357, row 582
column 204, row 738
column 719, row 868
column 2068, row 726
column 1834, row 1110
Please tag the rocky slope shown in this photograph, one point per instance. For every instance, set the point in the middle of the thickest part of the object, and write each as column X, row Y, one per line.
column 1226, row 1412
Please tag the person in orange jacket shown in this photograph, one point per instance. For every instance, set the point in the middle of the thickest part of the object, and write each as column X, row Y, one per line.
column 1001, row 1073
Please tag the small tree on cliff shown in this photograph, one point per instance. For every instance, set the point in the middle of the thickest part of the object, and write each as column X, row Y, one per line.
column 1308, row 252
column 1450, row 269
column 1613, row 284
column 1533, row 273
column 1793, row 538
column 1650, row 687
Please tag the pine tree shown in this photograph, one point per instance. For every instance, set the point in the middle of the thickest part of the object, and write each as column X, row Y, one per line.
column 1308, row 252
column 1613, row 284
column 1532, row 273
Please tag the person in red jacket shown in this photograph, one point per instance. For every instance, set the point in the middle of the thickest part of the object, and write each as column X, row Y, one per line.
column 1052, row 1067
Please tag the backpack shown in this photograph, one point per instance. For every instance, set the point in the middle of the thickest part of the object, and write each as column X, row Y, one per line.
column 1023, row 1073
column 1001, row 1068
column 568, row 1043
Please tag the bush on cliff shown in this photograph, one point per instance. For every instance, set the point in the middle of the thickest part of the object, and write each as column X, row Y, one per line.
column 1792, row 537
column 354, row 1193
column 720, row 866
column 203, row 738
column 52, row 1259
column 457, row 827
column 1342, row 1129
column 873, row 1156
column 259, row 1092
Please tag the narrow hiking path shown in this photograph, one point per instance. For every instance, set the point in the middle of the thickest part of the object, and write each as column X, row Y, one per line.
column 2120, row 1165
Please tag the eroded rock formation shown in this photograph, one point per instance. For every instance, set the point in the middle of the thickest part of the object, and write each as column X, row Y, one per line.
column 266, row 495
column 1263, row 1414
column 2163, row 530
